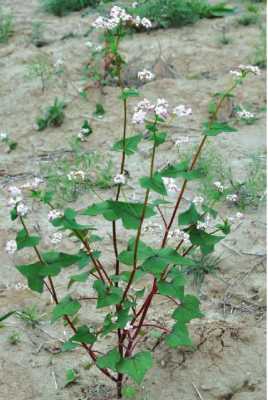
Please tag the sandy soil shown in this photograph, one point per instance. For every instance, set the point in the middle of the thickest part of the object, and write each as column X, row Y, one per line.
column 190, row 65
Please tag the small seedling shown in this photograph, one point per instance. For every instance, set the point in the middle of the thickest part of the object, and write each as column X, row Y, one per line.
column 53, row 116
column 99, row 112
column 8, row 142
column 30, row 316
column 6, row 26
column 14, row 338
column 204, row 265
column 40, row 68
column 71, row 376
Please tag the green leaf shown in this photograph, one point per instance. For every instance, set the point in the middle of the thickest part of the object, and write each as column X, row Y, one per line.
column 24, row 240
column 188, row 310
column 107, row 296
column 137, row 366
column 67, row 306
column 215, row 128
column 129, row 213
column 163, row 257
column 127, row 256
column 53, row 263
column 154, row 183
column 205, row 240
column 69, row 346
column 129, row 392
column 83, row 335
column 225, row 227
column 190, row 216
column 131, row 145
column 110, row 360
column 174, row 288
column 87, row 130
column 78, row 278
column 179, row 336
column 128, row 92
column 174, row 171
column 71, row 377
column 68, row 221
column 158, row 137
column 13, row 214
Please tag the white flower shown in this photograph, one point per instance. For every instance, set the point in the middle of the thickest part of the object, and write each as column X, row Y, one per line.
column 144, row 105
column 22, row 210
column 3, row 136
column 239, row 216
column 250, row 68
column 139, row 117
column 99, row 48
column 198, row 200
column 135, row 4
column 244, row 114
column 244, row 69
column 161, row 108
column 120, row 179
column 11, row 246
column 181, row 139
column 180, row 235
column 89, row 44
column 170, row 185
column 56, row 238
column 232, row 197
column 146, row 23
column 53, row 214
column 76, row 175
column 182, row 111
column 218, row 186
column 238, row 74
column 145, row 75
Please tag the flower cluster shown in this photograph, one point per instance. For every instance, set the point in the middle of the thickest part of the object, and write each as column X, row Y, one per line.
column 198, row 200
column 56, row 238
column 118, row 17
column 219, row 186
column 120, row 179
column 245, row 69
column 76, row 176
column 16, row 200
column 11, row 246
column 3, row 136
column 160, row 109
column 244, row 114
column 54, row 214
column 145, row 75
column 180, row 235
column 232, row 198
column 171, row 185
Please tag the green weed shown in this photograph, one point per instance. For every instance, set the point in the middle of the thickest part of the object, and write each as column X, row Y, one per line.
column 63, row 7
column 53, row 116
column 14, row 338
column 176, row 13
column 6, row 26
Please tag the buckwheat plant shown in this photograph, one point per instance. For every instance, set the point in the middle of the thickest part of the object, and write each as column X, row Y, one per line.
column 127, row 285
